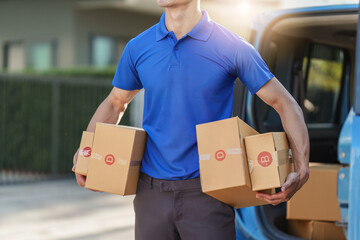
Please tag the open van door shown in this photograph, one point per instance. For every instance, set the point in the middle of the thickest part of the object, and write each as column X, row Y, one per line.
column 293, row 42
column 354, row 182
column 349, row 155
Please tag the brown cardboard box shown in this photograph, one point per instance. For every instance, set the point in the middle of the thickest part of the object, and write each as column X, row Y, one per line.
column 317, row 199
column 315, row 230
column 224, row 171
column 269, row 160
column 116, row 158
column 84, row 153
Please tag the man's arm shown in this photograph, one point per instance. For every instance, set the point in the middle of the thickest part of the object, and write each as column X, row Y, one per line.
column 275, row 95
column 112, row 108
column 109, row 111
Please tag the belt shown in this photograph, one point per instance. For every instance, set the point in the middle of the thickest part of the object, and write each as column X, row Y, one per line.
column 171, row 185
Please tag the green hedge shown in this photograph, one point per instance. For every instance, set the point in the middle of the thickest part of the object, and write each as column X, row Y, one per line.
column 26, row 128
column 84, row 71
column 24, row 124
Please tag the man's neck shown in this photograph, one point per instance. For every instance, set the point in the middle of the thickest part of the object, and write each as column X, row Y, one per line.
column 182, row 19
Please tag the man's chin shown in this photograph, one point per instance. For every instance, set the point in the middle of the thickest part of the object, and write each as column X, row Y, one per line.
column 163, row 3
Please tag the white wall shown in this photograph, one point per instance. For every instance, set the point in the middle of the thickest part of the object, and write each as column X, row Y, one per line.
column 39, row 20
column 108, row 22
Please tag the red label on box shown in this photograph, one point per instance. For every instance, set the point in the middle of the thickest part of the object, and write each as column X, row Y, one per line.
column 264, row 159
column 109, row 159
column 220, row 155
column 86, row 151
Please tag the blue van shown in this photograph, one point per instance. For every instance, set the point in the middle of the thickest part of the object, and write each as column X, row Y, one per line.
column 312, row 51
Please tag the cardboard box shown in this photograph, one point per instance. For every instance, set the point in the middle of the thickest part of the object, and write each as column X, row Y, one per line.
column 84, row 153
column 224, row 171
column 269, row 159
column 317, row 199
column 116, row 158
column 315, row 230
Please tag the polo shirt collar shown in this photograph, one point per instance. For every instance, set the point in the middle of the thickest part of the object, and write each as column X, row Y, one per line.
column 201, row 31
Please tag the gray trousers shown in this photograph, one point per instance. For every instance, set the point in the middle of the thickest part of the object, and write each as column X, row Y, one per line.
column 167, row 210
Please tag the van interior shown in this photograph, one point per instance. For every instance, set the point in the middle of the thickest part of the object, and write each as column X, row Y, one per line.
column 314, row 58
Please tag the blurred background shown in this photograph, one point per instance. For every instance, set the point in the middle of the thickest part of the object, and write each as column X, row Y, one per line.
column 57, row 61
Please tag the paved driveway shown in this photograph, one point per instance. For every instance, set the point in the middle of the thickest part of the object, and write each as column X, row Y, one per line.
column 59, row 209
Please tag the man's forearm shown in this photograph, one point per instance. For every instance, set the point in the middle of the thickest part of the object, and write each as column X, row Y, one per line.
column 294, row 125
column 106, row 113
column 275, row 95
column 112, row 108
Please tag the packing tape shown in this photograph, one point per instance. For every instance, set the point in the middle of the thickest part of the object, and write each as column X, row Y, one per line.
column 291, row 156
column 275, row 156
column 96, row 156
column 284, row 155
column 255, row 163
column 122, row 161
column 86, row 152
column 233, row 151
column 204, row 157
column 135, row 163
column 229, row 151
column 250, row 164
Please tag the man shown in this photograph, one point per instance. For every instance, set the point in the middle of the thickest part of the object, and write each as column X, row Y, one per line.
column 187, row 65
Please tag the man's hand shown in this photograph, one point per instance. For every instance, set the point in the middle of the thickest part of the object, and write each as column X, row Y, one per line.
column 109, row 111
column 275, row 95
column 81, row 179
column 294, row 181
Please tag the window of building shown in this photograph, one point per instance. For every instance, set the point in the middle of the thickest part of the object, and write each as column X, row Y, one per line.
column 14, row 56
column 103, row 51
column 41, row 55
column 106, row 50
column 19, row 55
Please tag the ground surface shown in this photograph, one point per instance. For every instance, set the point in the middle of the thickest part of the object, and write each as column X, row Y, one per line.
column 59, row 209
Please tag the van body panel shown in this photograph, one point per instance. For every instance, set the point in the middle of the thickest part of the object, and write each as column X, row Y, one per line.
column 258, row 222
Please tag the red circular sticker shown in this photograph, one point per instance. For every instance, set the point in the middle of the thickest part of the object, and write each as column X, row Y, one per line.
column 220, row 155
column 109, row 159
column 87, row 151
column 264, row 159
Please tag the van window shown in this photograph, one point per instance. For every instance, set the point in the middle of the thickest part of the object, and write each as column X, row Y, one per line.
column 271, row 59
column 323, row 70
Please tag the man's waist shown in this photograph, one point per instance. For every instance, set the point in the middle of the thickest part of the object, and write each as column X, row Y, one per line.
column 172, row 185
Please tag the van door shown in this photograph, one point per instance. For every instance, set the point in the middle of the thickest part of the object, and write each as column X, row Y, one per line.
column 354, row 183
column 298, row 61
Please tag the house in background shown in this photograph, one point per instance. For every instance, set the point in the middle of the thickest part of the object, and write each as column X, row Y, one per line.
column 41, row 34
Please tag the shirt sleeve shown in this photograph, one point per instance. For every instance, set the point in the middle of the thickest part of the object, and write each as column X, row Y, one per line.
column 126, row 77
column 250, row 67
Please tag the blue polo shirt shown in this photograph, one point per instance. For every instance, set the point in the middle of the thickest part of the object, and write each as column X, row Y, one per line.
column 187, row 82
